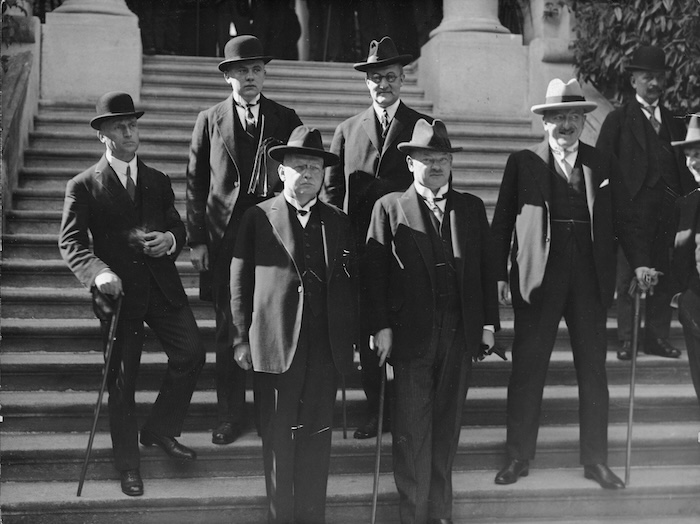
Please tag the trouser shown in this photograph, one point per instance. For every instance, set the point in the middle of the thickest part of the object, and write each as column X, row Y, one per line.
column 689, row 315
column 177, row 331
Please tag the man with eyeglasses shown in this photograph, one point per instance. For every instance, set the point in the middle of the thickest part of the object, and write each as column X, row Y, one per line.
column 227, row 141
column 371, row 166
column 295, row 323
column 639, row 134
column 561, row 208
column 433, row 308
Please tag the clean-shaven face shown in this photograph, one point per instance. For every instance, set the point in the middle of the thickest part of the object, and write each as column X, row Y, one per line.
column 121, row 137
column 692, row 160
column 564, row 126
column 246, row 78
column 384, row 84
column 302, row 176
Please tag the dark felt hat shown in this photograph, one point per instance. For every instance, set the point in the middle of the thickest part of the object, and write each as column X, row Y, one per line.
column 382, row 53
column 242, row 48
column 692, row 137
column 648, row 58
column 304, row 140
column 429, row 137
column 114, row 104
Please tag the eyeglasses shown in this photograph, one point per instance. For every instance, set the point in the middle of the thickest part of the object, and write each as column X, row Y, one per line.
column 308, row 168
column 442, row 161
column 377, row 78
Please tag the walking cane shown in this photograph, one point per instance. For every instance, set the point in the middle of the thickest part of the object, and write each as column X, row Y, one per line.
column 345, row 411
column 108, row 355
column 378, row 449
column 638, row 296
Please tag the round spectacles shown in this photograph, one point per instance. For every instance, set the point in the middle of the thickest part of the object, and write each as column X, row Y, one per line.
column 377, row 78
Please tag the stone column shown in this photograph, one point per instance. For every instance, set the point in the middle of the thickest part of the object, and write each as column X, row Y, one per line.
column 472, row 65
column 90, row 47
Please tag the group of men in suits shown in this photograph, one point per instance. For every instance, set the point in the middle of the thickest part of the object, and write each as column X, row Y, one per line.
column 365, row 247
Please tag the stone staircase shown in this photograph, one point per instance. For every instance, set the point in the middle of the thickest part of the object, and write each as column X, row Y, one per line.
column 51, row 357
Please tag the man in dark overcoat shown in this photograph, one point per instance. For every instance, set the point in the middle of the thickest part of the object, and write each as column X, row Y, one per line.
column 639, row 134
column 295, row 323
column 371, row 166
column 128, row 210
column 227, row 140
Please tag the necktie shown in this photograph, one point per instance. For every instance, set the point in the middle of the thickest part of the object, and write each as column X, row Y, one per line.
column 130, row 186
column 302, row 212
column 249, row 118
column 652, row 118
column 566, row 167
column 385, row 123
column 432, row 205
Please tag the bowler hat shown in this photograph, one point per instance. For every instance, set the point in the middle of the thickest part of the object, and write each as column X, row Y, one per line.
column 114, row 104
column 429, row 137
column 242, row 48
column 692, row 137
column 562, row 95
column 304, row 140
column 382, row 53
column 648, row 58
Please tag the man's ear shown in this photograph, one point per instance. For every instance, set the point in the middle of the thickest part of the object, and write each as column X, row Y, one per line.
column 280, row 171
column 409, row 162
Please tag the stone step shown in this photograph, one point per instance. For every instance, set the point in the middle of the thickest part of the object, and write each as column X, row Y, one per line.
column 59, row 456
column 44, row 411
column 549, row 495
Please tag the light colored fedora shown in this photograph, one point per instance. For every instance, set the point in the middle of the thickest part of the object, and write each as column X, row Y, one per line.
column 692, row 137
column 562, row 95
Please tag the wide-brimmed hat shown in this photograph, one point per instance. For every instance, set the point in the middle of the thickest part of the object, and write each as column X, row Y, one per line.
column 562, row 95
column 382, row 53
column 429, row 137
column 243, row 48
column 304, row 140
column 648, row 58
column 114, row 104
column 692, row 136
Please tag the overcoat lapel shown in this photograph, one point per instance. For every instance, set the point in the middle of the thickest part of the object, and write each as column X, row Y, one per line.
column 541, row 172
column 410, row 206
column 397, row 125
column 329, row 228
column 278, row 215
column 636, row 123
column 459, row 226
column 225, row 123
column 369, row 124
column 270, row 118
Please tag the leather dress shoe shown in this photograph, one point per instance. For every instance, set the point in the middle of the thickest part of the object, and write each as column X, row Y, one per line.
column 132, row 484
column 370, row 428
column 440, row 521
column 513, row 471
column 168, row 444
column 225, row 433
column 603, row 476
column 661, row 348
column 625, row 351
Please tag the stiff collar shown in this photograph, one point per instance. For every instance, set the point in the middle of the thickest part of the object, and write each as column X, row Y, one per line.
column 391, row 110
column 119, row 166
column 428, row 194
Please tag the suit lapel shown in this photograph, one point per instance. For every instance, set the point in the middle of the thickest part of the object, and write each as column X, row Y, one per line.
column 105, row 175
column 459, row 226
column 331, row 233
column 589, row 177
column 269, row 117
column 397, row 125
column 278, row 215
column 541, row 170
column 225, row 123
column 410, row 205
column 637, row 119
column 370, row 126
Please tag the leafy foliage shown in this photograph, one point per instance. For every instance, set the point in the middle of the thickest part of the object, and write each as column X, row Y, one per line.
column 608, row 32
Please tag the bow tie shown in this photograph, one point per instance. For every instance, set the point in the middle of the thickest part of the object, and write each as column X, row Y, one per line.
column 246, row 105
column 434, row 199
column 303, row 212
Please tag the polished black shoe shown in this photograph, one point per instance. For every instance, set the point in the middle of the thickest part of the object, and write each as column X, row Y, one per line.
column 661, row 348
column 168, row 444
column 132, row 484
column 369, row 430
column 225, row 433
column 603, row 476
column 440, row 521
column 625, row 351
column 513, row 471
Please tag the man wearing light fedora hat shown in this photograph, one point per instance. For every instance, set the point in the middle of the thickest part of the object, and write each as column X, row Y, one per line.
column 639, row 134
column 228, row 141
column 371, row 166
column 562, row 206
column 433, row 308
column 295, row 324
column 128, row 209
column 686, row 254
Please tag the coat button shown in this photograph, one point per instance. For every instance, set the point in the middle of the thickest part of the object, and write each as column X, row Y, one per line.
column 546, row 239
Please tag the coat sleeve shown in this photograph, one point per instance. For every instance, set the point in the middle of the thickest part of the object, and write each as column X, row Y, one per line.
column 73, row 240
column 504, row 218
column 198, row 176
column 334, row 186
column 489, row 271
column 376, row 266
column 242, row 279
column 173, row 220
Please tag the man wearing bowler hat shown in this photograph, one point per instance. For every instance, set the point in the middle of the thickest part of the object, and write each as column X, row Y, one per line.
column 639, row 134
column 561, row 208
column 294, row 306
column 432, row 309
column 228, row 141
column 686, row 253
column 371, row 166
column 128, row 209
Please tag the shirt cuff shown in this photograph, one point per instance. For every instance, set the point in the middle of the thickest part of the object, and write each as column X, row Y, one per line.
column 173, row 248
column 490, row 327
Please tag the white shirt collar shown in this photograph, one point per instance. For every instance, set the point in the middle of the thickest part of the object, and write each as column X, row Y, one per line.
column 655, row 105
column 120, row 166
column 391, row 110
column 240, row 100
column 240, row 109
column 427, row 194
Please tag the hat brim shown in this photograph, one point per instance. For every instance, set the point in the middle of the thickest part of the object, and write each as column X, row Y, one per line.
column 686, row 143
column 278, row 153
column 407, row 147
column 540, row 109
column 96, row 122
column 225, row 64
column 400, row 59
column 642, row 68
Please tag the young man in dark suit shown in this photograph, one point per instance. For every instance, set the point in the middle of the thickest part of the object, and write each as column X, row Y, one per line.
column 128, row 209
column 295, row 323
column 561, row 208
column 371, row 166
column 639, row 134
column 226, row 140
column 433, row 304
